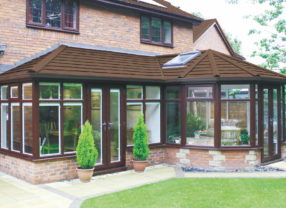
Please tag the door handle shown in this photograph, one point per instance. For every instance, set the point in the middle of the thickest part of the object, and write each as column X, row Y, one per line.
column 104, row 125
column 110, row 124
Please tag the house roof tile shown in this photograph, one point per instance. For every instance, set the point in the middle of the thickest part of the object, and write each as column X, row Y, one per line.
column 81, row 62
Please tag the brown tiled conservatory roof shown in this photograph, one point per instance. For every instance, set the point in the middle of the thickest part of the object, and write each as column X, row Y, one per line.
column 81, row 63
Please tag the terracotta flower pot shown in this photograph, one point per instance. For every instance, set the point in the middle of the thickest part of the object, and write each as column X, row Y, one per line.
column 85, row 174
column 139, row 166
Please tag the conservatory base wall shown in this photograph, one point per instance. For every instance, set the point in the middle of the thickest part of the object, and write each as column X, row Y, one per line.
column 39, row 172
column 65, row 169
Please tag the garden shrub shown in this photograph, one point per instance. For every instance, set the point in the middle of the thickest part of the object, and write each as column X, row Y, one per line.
column 86, row 151
column 140, row 149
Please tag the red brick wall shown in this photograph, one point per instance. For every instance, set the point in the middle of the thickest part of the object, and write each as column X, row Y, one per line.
column 99, row 25
column 39, row 172
column 156, row 157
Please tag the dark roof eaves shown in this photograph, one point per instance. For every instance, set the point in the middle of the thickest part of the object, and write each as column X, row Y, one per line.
column 152, row 11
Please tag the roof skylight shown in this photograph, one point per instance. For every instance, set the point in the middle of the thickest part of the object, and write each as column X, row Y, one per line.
column 182, row 59
column 152, row 2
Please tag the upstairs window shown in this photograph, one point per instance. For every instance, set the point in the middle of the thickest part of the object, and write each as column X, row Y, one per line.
column 156, row 31
column 53, row 14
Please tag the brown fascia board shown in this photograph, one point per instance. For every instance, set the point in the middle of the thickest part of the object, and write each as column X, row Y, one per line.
column 151, row 11
column 224, row 38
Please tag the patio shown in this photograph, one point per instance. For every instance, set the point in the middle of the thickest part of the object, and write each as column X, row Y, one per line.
column 70, row 194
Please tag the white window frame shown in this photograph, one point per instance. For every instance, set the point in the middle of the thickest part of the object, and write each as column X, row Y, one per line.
column 23, row 127
column 81, row 120
column 2, row 87
column 50, row 84
column 11, row 90
column 119, row 126
column 59, row 115
column 23, row 90
column 11, row 124
column 156, row 103
column 101, row 140
column 134, row 103
column 81, row 91
column 7, row 139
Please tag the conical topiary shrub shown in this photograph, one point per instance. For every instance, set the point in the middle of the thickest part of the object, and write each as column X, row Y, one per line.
column 86, row 153
column 140, row 149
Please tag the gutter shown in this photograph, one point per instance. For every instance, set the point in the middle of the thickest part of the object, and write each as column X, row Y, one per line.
column 151, row 11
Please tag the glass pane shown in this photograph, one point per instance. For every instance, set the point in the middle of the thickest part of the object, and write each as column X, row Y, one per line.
column 235, row 123
column 256, row 123
column 4, row 92
column 266, row 122
column 173, row 92
column 153, row 122
column 114, row 125
column 173, row 122
column 27, row 129
column 275, row 121
column 14, row 92
column 200, row 92
column 156, row 30
column 49, row 129
column 182, row 59
column 49, row 91
column 72, row 122
column 152, row 92
column 145, row 28
column 200, row 123
column 53, row 13
column 134, row 92
column 72, row 91
column 167, row 32
column 15, row 127
column 133, row 111
column 36, row 7
column 4, row 126
column 96, row 121
column 27, row 91
column 70, row 13
column 235, row 91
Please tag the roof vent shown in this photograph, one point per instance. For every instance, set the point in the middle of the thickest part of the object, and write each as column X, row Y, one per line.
column 151, row 2
column 181, row 60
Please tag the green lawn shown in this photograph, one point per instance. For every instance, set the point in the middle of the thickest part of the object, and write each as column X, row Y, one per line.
column 198, row 193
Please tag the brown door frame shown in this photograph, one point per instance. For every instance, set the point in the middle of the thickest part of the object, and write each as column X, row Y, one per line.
column 271, row 155
column 106, row 158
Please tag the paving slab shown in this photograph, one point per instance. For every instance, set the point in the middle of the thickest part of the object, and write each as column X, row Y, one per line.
column 15, row 193
column 273, row 174
column 281, row 165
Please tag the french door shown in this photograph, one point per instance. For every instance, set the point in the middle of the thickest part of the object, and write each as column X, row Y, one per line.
column 106, row 120
column 271, row 127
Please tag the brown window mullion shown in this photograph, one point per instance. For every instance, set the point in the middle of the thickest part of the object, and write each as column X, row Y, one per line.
column 44, row 13
column 150, row 29
column 63, row 25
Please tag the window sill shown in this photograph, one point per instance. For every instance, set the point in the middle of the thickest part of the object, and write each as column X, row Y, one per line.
column 157, row 44
column 34, row 26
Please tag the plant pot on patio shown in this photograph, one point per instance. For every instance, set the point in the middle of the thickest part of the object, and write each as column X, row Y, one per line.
column 84, row 175
column 86, row 153
column 139, row 166
column 141, row 149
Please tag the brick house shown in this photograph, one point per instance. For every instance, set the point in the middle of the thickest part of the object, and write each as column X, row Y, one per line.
column 68, row 61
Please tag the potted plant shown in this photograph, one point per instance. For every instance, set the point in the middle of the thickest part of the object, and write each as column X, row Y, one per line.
column 86, row 153
column 140, row 148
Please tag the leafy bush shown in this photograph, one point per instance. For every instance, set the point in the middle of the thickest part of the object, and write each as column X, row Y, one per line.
column 86, row 152
column 140, row 138
column 244, row 137
column 194, row 123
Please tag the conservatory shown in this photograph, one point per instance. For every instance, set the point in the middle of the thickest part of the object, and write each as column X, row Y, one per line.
column 202, row 109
